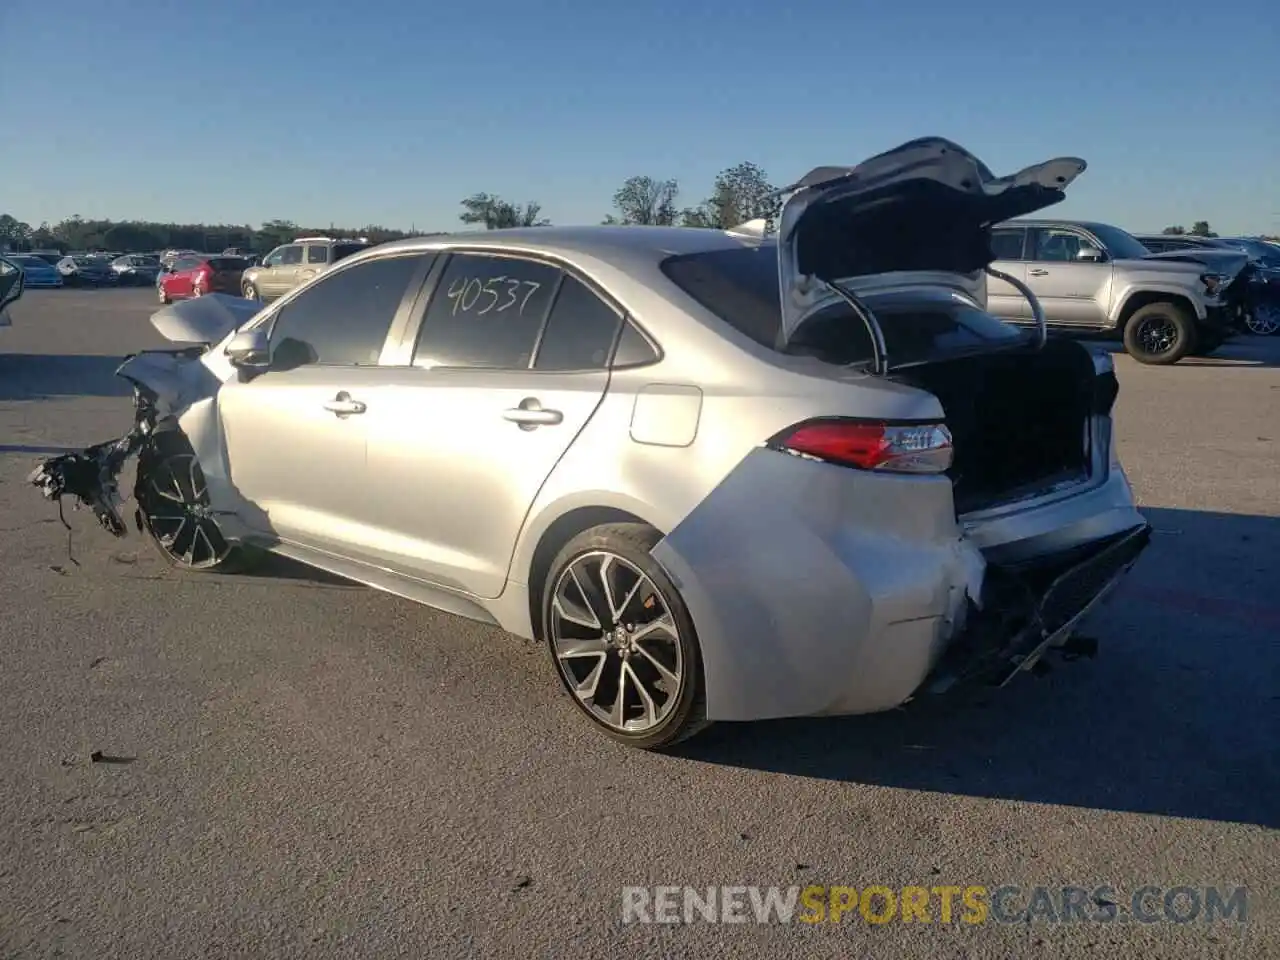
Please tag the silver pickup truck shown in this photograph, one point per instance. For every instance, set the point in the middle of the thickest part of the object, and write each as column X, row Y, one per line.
column 1096, row 277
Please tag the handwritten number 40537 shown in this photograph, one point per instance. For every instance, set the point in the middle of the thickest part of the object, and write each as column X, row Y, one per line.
column 495, row 294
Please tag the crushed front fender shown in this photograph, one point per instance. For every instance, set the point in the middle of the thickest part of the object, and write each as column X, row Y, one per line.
column 165, row 383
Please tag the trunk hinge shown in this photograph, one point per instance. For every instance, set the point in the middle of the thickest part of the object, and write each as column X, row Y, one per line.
column 879, row 353
column 1042, row 326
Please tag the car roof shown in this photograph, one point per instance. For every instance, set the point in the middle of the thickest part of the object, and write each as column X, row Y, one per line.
column 1045, row 222
column 619, row 246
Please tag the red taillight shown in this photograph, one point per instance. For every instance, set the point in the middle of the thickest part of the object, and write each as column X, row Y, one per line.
column 871, row 444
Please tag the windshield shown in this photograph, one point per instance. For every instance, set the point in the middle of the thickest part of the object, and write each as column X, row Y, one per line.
column 1119, row 244
column 227, row 263
column 740, row 286
column 27, row 261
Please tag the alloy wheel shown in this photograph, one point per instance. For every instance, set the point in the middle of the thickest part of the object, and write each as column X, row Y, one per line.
column 616, row 644
column 1157, row 334
column 1264, row 319
column 175, row 502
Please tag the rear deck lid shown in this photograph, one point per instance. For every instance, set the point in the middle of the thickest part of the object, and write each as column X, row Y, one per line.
column 924, row 208
column 204, row 319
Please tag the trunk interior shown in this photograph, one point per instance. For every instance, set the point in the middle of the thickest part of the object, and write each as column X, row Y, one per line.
column 1019, row 421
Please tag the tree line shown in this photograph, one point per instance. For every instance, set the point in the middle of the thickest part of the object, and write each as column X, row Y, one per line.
column 142, row 236
column 739, row 193
column 1198, row 229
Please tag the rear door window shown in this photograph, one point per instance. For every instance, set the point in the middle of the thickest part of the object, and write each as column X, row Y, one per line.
column 486, row 311
column 317, row 253
column 344, row 317
column 1007, row 243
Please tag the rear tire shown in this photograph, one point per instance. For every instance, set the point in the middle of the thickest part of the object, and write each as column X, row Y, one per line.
column 249, row 291
column 1160, row 334
column 164, row 296
column 621, row 639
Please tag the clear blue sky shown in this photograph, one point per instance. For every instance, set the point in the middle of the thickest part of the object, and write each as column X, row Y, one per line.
column 373, row 111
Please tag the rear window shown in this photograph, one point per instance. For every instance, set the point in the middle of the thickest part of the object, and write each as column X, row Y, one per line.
column 227, row 263
column 341, row 250
column 740, row 286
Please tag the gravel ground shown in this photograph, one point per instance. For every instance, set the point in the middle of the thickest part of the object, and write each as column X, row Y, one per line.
column 317, row 769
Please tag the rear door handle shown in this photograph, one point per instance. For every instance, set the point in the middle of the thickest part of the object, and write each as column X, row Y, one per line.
column 343, row 405
column 1037, row 272
column 530, row 414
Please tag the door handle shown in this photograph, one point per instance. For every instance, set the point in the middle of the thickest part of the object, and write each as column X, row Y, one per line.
column 530, row 415
column 1037, row 272
column 343, row 406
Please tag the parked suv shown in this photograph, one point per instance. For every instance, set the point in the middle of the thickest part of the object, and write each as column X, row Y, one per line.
column 1096, row 277
column 289, row 265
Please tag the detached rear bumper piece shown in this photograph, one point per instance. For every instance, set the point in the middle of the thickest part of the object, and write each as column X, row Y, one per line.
column 1029, row 608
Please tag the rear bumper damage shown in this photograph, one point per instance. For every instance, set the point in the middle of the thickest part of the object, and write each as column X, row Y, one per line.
column 1028, row 609
column 857, row 592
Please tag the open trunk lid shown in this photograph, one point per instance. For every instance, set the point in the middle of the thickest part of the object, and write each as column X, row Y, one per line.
column 918, row 211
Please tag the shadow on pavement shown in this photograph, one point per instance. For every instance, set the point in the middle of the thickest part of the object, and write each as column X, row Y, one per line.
column 1178, row 715
column 270, row 566
column 29, row 376
column 1245, row 350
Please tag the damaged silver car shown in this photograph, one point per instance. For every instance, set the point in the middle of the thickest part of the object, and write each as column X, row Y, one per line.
column 722, row 475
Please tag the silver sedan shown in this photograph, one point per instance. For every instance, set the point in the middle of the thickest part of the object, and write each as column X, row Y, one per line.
column 721, row 475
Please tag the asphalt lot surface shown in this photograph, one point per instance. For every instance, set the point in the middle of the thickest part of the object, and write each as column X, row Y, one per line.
column 319, row 769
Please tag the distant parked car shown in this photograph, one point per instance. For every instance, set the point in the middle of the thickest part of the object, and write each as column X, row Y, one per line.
column 1259, row 303
column 1096, row 277
column 170, row 257
column 35, row 271
column 196, row 276
column 292, row 264
column 85, row 271
column 136, row 268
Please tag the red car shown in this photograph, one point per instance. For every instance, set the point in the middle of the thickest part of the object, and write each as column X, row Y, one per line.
column 196, row 276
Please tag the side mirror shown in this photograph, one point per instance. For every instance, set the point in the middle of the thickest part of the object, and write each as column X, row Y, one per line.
column 1089, row 255
column 249, row 350
column 11, row 283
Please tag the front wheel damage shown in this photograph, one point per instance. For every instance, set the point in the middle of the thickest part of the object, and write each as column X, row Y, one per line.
column 173, row 503
column 92, row 476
